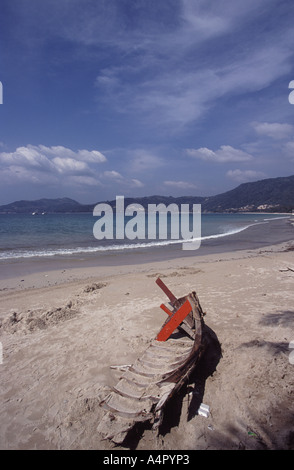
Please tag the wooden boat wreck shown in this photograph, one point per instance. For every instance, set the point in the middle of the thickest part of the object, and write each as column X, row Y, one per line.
column 145, row 387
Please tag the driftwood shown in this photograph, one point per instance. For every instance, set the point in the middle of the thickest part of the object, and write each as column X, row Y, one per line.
column 288, row 269
column 145, row 387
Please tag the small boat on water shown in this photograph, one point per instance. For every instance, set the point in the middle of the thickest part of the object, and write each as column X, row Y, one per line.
column 145, row 387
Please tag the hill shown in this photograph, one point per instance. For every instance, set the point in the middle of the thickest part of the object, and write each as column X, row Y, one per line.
column 272, row 194
column 45, row 205
column 268, row 195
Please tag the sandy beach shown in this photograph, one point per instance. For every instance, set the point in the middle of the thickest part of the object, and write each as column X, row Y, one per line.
column 62, row 329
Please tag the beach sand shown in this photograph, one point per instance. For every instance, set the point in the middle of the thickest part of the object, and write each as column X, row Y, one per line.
column 62, row 329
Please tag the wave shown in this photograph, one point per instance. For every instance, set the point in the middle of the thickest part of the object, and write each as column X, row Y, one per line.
column 119, row 247
column 275, row 218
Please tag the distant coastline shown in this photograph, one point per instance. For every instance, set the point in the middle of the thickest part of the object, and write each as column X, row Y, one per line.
column 272, row 195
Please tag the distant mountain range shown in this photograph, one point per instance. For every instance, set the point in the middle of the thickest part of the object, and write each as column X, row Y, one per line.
column 268, row 195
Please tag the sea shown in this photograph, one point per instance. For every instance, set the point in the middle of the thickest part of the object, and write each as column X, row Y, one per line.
column 70, row 235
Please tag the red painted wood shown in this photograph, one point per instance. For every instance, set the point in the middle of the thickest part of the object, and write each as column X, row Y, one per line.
column 166, row 310
column 166, row 290
column 174, row 321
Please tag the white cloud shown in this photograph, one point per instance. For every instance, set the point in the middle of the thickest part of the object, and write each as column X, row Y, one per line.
column 174, row 95
column 224, row 154
column 159, row 66
column 113, row 174
column 209, row 18
column 242, row 176
column 274, row 129
column 83, row 181
column 94, row 23
column 164, row 72
column 17, row 175
column 137, row 183
column 56, row 150
column 180, row 184
column 42, row 164
column 27, row 157
column 69, row 165
column 91, row 156
column 122, row 181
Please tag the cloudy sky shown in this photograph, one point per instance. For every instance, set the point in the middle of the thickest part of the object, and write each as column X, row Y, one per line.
column 140, row 97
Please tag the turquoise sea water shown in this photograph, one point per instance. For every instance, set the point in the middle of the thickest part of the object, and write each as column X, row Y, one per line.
column 55, row 235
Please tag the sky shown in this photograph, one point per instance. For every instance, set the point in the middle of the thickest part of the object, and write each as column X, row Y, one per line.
column 143, row 97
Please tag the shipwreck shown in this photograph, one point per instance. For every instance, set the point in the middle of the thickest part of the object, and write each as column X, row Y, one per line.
column 145, row 387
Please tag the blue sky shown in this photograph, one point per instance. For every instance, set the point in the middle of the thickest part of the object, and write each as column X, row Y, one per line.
column 141, row 97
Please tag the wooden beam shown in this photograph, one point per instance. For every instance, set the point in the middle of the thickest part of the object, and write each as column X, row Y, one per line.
column 166, row 290
column 174, row 321
column 184, row 326
column 166, row 310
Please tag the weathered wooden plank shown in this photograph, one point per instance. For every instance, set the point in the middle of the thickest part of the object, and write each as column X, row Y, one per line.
column 174, row 321
column 166, row 290
column 133, row 415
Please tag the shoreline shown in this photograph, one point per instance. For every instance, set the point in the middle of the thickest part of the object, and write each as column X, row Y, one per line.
column 30, row 272
column 56, row 275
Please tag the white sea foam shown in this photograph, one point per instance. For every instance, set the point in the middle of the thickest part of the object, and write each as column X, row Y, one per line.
column 6, row 255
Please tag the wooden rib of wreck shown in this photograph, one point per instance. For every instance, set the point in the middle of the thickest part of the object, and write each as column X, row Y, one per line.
column 145, row 387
